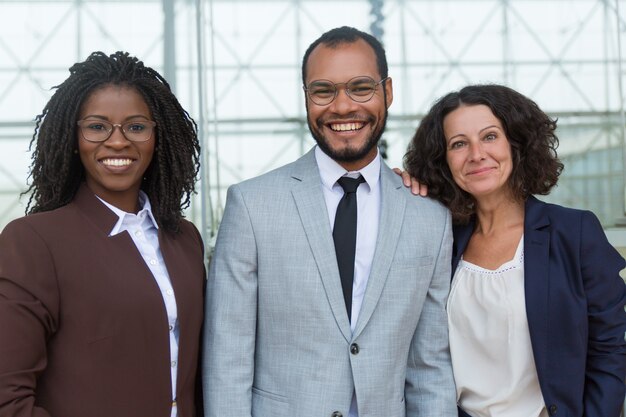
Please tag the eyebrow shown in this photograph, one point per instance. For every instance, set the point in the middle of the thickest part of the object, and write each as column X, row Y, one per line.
column 480, row 131
column 134, row 116
column 488, row 127
column 455, row 136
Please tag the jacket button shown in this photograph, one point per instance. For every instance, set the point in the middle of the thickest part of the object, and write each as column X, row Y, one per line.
column 552, row 409
column 336, row 414
column 354, row 349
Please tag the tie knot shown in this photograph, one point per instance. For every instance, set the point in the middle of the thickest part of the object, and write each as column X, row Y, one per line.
column 350, row 185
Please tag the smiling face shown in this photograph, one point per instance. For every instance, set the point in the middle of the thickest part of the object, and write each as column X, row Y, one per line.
column 346, row 130
column 478, row 151
column 114, row 168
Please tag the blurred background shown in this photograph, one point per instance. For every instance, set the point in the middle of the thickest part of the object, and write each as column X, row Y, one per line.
column 235, row 66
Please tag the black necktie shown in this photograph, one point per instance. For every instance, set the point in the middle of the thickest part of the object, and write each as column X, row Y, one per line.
column 344, row 235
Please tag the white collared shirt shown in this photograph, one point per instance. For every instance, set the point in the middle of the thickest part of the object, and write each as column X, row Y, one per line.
column 368, row 214
column 143, row 230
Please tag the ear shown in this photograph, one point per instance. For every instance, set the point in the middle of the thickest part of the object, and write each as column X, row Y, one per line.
column 388, row 92
column 306, row 103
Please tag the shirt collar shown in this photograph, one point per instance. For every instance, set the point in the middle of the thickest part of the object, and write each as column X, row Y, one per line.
column 144, row 201
column 331, row 171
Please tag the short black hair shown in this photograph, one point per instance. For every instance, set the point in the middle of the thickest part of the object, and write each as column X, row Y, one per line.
column 56, row 170
column 530, row 132
column 343, row 35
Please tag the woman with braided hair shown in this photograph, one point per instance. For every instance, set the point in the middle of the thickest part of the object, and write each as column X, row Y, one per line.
column 101, row 283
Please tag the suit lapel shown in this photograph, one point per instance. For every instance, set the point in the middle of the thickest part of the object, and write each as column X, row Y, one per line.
column 537, row 278
column 462, row 235
column 392, row 209
column 94, row 211
column 309, row 198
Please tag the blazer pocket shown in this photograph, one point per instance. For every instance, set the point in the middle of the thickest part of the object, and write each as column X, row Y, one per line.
column 265, row 403
column 102, row 353
column 267, row 394
column 416, row 262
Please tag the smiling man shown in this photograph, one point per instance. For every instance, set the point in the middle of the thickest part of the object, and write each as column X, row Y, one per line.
column 327, row 288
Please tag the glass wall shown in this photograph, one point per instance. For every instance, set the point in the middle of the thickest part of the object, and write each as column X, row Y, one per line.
column 235, row 65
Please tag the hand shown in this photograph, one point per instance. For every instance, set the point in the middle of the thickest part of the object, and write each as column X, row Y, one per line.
column 416, row 187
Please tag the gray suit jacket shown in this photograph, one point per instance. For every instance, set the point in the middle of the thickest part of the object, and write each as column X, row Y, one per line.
column 277, row 337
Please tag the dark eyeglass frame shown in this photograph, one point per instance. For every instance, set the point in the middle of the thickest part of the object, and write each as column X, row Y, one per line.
column 83, row 124
column 374, row 85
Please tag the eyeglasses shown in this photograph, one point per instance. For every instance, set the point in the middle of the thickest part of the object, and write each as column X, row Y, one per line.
column 101, row 130
column 359, row 89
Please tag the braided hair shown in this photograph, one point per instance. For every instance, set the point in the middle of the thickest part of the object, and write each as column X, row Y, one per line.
column 56, row 170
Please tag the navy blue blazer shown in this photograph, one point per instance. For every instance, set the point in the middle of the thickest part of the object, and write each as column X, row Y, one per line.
column 575, row 307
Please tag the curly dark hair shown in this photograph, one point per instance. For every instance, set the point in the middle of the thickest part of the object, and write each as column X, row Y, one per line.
column 347, row 35
column 536, row 167
column 56, row 170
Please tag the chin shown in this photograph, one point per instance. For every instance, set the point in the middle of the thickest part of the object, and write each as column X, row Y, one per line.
column 350, row 152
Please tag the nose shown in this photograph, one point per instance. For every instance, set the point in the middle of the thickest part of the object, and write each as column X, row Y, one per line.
column 117, row 139
column 343, row 104
column 476, row 151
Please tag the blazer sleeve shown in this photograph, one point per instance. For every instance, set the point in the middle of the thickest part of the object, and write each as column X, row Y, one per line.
column 231, row 310
column 430, row 389
column 29, row 306
column 606, row 296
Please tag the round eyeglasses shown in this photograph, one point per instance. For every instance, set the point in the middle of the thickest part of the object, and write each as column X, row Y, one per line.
column 359, row 89
column 101, row 130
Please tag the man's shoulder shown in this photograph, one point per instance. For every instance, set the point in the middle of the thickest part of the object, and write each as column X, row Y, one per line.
column 426, row 208
column 282, row 177
column 270, row 177
column 416, row 202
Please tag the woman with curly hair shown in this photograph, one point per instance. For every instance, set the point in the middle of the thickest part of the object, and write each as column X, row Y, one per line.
column 536, row 308
column 101, row 282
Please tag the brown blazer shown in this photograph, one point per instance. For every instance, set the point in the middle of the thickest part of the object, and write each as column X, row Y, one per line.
column 83, row 327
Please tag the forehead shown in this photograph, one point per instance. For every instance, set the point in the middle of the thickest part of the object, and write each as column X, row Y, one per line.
column 342, row 62
column 470, row 117
column 112, row 98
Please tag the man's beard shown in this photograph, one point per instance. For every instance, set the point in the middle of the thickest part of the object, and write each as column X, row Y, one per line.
column 346, row 154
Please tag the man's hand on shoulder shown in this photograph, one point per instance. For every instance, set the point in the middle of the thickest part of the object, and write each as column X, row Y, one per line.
column 416, row 187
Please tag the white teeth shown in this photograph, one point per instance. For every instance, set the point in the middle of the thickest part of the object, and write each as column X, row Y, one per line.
column 117, row 162
column 344, row 127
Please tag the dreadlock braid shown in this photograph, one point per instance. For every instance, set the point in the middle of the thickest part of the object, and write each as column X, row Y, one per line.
column 56, row 171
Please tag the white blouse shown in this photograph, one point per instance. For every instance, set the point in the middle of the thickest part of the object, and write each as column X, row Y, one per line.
column 492, row 357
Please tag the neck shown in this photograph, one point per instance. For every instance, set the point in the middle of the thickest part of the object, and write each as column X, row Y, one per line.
column 126, row 201
column 500, row 215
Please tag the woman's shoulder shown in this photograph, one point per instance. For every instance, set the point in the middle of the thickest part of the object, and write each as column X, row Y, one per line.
column 40, row 221
column 571, row 226
column 188, row 228
column 187, row 232
column 556, row 213
column 32, row 236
